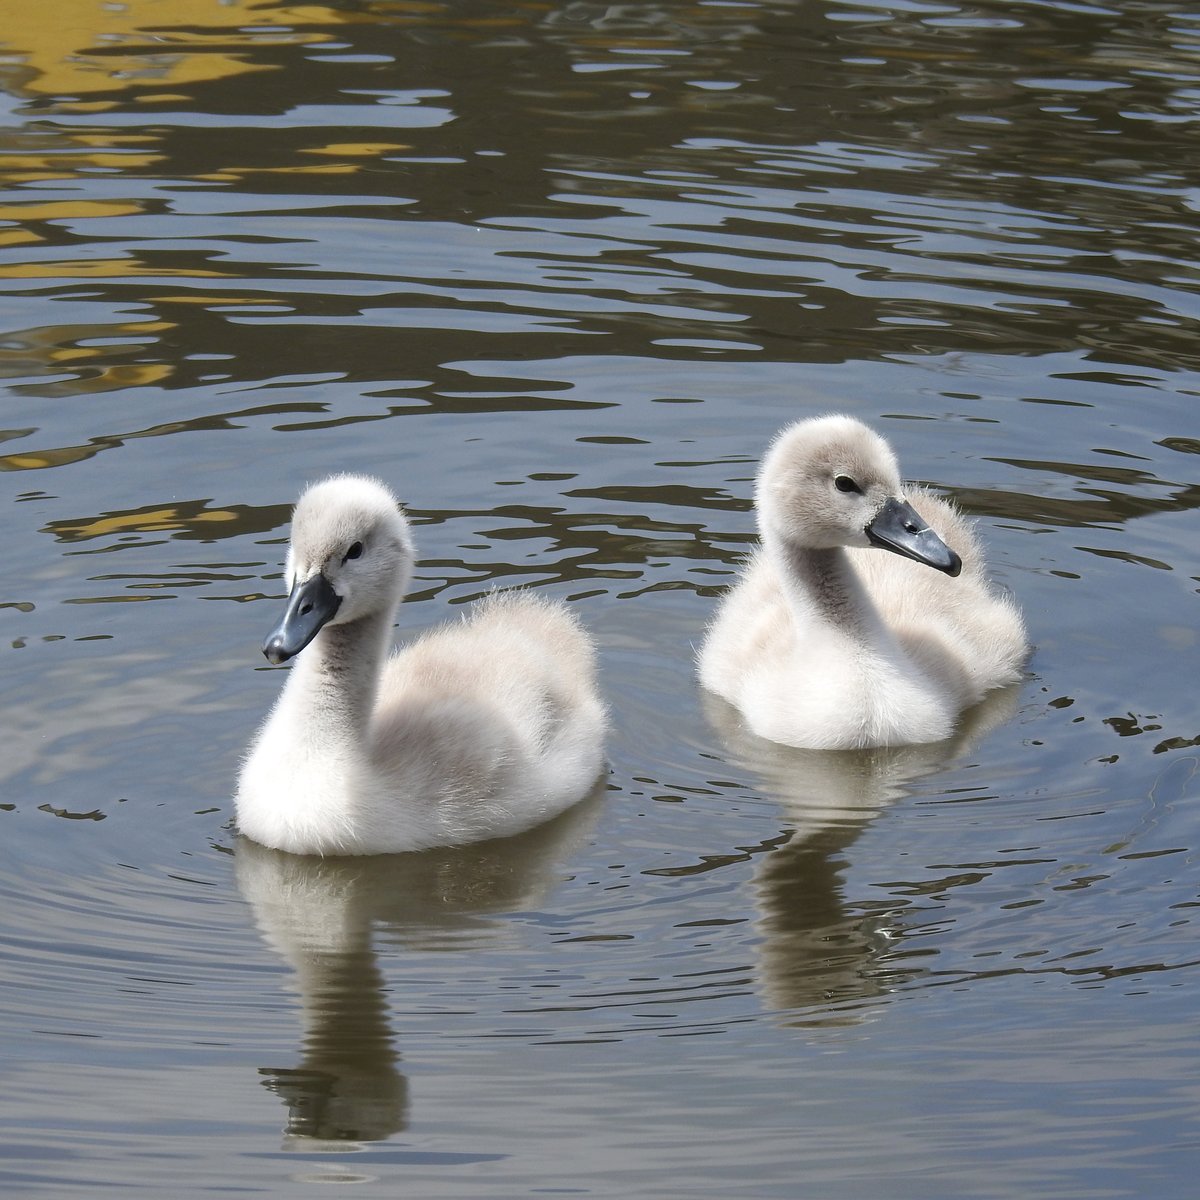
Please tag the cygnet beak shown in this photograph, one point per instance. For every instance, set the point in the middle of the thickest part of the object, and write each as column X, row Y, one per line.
column 898, row 527
column 311, row 604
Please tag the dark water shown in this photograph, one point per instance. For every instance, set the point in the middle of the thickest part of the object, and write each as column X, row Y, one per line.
column 557, row 272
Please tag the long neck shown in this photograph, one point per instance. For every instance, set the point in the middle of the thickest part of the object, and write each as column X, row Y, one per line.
column 332, row 687
column 823, row 585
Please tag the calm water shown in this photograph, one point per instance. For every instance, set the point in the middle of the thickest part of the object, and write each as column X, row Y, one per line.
column 557, row 272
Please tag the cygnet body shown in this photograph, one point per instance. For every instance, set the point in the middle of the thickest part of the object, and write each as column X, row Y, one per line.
column 828, row 642
column 481, row 728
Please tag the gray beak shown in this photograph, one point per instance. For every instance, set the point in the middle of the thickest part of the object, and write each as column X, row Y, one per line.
column 898, row 527
column 310, row 605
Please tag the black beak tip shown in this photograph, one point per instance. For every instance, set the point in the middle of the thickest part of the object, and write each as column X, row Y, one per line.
column 310, row 606
column 954, row 570
column 274, row 651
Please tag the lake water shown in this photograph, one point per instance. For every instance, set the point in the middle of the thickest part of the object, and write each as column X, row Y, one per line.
column 558, row 272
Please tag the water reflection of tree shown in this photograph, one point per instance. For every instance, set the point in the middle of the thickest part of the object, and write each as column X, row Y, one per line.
column 322, row 917
column 902, row 153
column 1096, row 505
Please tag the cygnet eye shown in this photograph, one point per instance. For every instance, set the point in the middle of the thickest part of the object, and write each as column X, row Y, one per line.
column 355, row 551
column 844, row 483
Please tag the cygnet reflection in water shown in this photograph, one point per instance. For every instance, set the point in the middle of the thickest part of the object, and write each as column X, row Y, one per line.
column 822, row 961
column 322, row 916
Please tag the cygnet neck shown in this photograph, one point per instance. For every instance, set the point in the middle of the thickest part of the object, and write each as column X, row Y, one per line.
column 822, row 582
column 336, row 678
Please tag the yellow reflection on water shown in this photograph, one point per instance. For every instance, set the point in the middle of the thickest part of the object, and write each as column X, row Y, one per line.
column 52, row 346
column 342, row 150
column 17, row 168
column 66, row 210
column 214, row 299
column 154, row 520
column 17, row 237
column 356, row 149
column 42, row 459
column 104, row 268
column 76, row 47
column 236, row 173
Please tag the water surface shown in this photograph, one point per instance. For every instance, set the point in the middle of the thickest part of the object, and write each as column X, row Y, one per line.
column 557, row 272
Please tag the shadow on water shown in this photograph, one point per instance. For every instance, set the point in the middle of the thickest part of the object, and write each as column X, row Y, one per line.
column 822, row 962
column 321, row 916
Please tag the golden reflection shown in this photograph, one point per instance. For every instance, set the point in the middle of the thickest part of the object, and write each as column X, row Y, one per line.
column 357, row 149
column 77, row 47
column 112, row 379
column 214, row 299
column 189, row 519
column 106, row 140
column 26, row 167
column 343, row 150
column 63, row 156
column 87, row 106
column 66, row 210
column 42, row 459
column 148, row 54
column 151, row 520
column 123, row 375
column 410, row 8
column 319, row 14
column 67, row 365
column 17, row 237
column 23, row 350
column 104, row 268
column 236, row 174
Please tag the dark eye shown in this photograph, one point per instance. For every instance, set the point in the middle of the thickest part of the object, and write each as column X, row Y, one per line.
column 355, row 551
column 844, row 483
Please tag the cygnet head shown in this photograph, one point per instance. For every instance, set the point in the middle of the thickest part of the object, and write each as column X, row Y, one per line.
column 350, row 556
column 831, row 481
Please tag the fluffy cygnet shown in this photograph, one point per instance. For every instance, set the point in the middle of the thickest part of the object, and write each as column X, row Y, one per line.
column 481, row 728
column 827, row 641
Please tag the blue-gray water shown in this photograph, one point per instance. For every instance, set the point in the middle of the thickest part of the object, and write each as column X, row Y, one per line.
column 557, row 272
